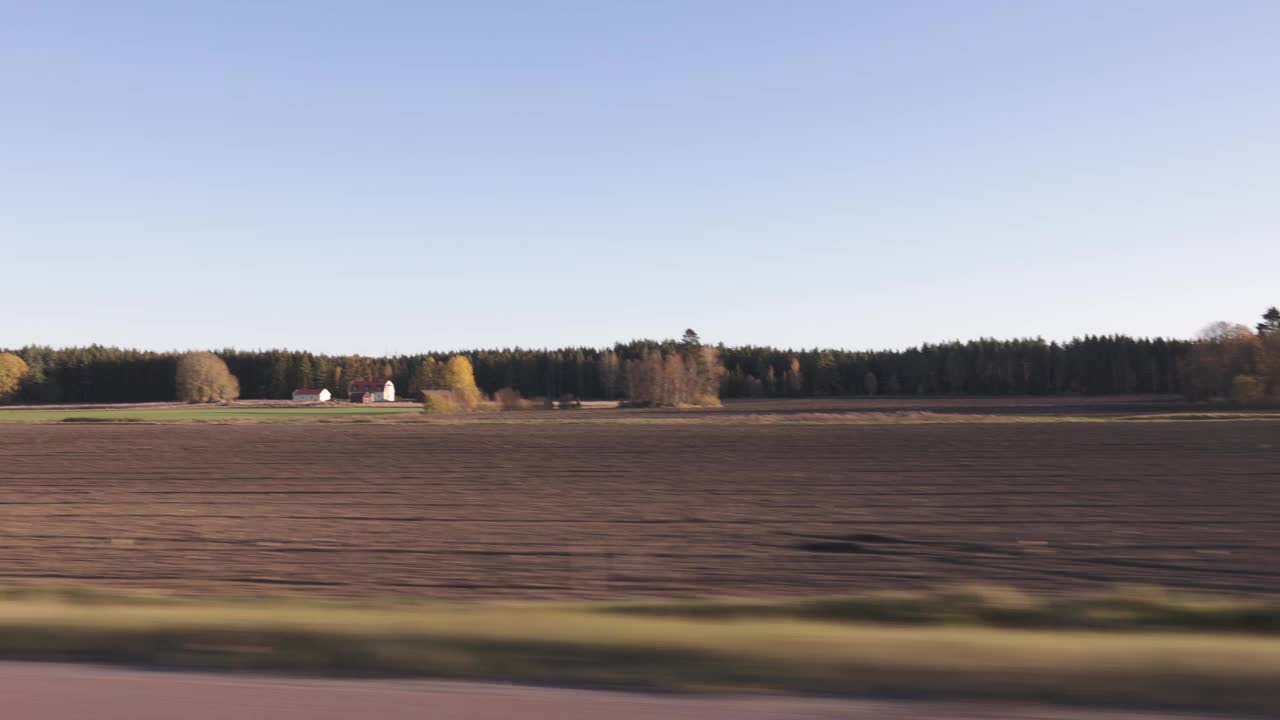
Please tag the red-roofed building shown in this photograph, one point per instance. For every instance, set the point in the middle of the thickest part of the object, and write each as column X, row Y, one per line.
column 380, row 390
column 311, row 395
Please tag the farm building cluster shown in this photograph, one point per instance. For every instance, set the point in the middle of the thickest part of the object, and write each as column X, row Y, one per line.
column 358, row 391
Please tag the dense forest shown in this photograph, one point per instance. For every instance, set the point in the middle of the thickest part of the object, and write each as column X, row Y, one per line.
column 1111, row 364
column 1225, row 361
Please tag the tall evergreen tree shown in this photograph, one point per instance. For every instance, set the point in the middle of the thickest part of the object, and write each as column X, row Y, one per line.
column 1270, row 321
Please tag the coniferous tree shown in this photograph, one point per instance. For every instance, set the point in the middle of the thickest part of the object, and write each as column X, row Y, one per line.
column 278, row 386
column 610, row 374
column 1270, row 321
column 306, row 371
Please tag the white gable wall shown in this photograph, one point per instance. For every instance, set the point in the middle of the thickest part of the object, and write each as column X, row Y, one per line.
column 386, row 394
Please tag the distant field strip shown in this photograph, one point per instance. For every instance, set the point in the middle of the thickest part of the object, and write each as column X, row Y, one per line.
column 401, row 413
column 200, row 413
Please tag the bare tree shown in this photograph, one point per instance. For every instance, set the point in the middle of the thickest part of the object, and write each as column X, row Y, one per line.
column 644, row 379
column 675, row 383
column 675, row 378
column 610, row 369
column 1222, row 352
column 710, row 375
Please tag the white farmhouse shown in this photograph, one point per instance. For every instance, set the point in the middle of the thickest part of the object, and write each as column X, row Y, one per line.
column 377, row 390
column 311, row 395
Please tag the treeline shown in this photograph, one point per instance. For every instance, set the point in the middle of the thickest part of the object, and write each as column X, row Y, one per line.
column 1089, row 365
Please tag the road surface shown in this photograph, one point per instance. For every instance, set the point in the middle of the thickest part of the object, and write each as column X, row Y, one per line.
column 32, row 691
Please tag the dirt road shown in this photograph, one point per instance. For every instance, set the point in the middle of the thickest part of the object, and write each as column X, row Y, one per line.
column 68, row 692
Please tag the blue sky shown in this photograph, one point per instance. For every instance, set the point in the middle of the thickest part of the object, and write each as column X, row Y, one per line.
column 397, row 176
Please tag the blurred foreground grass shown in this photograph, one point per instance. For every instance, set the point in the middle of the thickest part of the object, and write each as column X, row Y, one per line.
column 1133, row 647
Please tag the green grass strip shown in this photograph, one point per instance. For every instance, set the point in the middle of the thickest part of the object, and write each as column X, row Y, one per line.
column 782, row 646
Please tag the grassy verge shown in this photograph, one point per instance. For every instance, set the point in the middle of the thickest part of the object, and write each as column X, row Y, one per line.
column 756, row 645
column 1125, row 609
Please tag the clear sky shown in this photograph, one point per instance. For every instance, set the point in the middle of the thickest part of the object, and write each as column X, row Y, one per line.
column 398, row 176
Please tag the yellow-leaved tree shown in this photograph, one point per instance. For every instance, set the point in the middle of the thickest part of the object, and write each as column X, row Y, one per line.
column 460, row 378
column 12, row 370
column 204, row 377
column 449, row 387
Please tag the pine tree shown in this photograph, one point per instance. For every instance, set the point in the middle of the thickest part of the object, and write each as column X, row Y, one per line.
column 306, row 372
column 609, row 373
column 278, row 387
column 1270, row 321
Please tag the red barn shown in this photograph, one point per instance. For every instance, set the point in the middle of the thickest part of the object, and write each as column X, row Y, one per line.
column 380, row 390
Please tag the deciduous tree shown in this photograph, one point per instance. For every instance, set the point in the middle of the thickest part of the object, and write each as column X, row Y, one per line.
column 13, row 370
column 459, row 377
column 204, row 377
column 1222, row 352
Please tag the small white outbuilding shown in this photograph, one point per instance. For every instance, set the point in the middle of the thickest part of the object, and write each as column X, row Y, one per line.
column 311, row 395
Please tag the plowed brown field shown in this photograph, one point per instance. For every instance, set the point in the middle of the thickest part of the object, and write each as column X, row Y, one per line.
column 600, row 509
